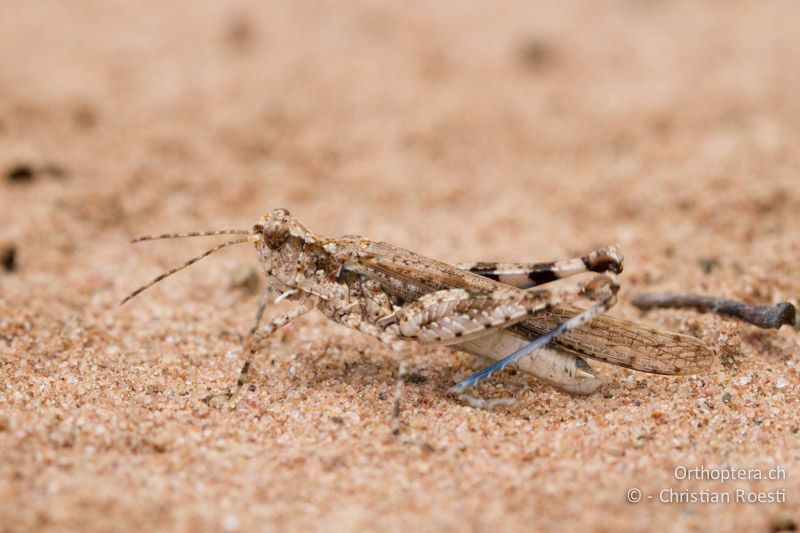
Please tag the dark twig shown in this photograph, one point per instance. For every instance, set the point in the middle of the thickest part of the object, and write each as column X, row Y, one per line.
column 764, row 316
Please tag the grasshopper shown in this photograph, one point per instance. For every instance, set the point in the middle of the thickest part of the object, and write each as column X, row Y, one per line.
column 499, row 312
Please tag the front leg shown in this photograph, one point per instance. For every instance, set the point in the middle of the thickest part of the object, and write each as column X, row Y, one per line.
column 255, row 339
column 262, row 305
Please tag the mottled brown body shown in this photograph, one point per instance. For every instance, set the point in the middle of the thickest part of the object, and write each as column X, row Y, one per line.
column 487, row 309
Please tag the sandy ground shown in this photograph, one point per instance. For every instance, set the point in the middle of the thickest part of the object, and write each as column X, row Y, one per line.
column 531, row 131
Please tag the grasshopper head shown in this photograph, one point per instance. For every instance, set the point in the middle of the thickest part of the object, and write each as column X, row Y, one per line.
column 273, row 230
column 279, row 241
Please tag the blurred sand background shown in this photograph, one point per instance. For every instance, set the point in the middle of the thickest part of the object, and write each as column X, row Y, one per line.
column 462, row 130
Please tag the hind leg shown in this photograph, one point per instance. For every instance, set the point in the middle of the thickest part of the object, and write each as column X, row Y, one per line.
column 607, row 300
column 526, row 275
